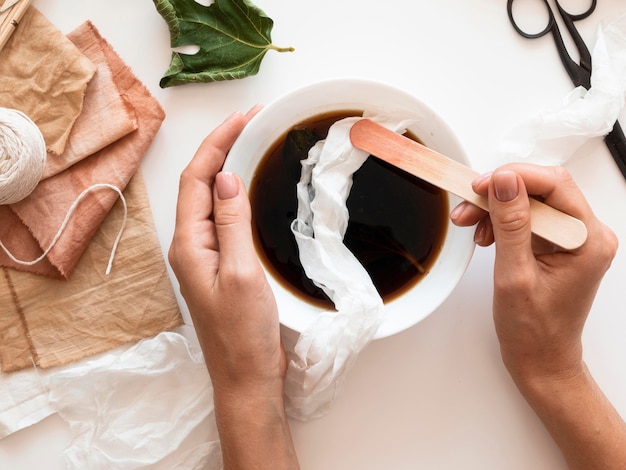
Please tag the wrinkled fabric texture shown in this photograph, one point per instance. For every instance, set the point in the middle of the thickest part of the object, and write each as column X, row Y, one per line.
column 552, row 137
column 325, row 351
column 107, row 116
column 44, row 75
column 131, row 405
column 23, row 401
column 149, row 406
column 42, row 213
column 47, row 322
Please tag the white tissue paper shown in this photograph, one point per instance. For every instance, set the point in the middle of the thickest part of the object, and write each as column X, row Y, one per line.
column 552, row 137
column 325, row 351
column 147, row 406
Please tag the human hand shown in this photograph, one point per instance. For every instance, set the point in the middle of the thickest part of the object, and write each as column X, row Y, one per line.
column 232, row 306
column 542, row 295
column 212, row 254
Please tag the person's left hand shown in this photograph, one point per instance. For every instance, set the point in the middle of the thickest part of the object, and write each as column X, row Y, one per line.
column 212, row 254
column 232, row 307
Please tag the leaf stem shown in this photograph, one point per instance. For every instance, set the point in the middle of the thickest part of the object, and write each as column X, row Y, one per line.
column 281, row 49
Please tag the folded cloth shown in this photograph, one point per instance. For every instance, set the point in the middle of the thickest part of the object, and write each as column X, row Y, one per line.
column 23, row 400
column 22, row 244
column 44, row 75
column 49, row 322
column 146, row 405
column 42, row 213
column 107, row 114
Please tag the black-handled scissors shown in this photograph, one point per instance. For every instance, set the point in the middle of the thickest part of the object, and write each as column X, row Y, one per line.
column 580, row 73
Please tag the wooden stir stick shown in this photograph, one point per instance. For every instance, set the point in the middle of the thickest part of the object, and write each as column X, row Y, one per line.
column 547, row 222
column 11, row 12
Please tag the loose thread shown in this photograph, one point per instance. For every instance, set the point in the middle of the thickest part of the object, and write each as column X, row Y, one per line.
column 42, row 382
column 69, row 214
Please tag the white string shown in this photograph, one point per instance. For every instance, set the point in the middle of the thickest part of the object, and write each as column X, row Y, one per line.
column 71, row 211
column 22, row 164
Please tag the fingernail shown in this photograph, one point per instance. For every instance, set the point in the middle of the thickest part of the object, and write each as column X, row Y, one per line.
column 481, row 178
column 505, row 185
column 457, row 211
column 226, row 185
column 479, row 234
column 255, row 109
column 232, row 116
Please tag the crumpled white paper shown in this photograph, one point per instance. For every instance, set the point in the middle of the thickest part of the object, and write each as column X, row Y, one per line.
column 552, row 137
column 147, row 406
column 325, row 351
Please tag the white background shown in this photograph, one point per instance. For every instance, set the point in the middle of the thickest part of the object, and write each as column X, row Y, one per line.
column 435, row 396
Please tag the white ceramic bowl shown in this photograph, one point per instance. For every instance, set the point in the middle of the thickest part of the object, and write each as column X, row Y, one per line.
column 276, row 119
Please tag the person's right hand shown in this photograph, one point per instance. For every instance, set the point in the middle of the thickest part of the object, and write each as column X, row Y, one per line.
column 542, row 295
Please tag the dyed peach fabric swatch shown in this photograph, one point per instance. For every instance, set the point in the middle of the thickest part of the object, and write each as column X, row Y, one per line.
column 47, row 322
column 107, row 116
column 44, row 75
column 42, row 213
column 65, row 308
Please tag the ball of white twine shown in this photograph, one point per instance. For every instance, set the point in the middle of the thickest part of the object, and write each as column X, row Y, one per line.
column 22, row 164
column 22, row 155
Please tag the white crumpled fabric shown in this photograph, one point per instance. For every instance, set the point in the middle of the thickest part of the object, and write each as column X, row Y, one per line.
column 325, row 351
column 23, row 401
column 552, row 137
column 147, row 406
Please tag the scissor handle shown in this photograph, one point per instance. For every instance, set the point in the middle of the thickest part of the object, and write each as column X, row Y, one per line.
column 521, row 32
column 551, row 19
column 579, row 16
column 579, row 73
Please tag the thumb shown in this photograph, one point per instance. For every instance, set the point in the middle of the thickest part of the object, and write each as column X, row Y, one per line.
column 510, row 217
column 232, row 216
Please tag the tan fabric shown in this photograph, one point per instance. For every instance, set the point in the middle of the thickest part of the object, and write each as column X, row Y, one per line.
column 22, row 244
column 49, row 322
column 46, row 321
column 44, row 210
column 107, row 115
column 44, row 75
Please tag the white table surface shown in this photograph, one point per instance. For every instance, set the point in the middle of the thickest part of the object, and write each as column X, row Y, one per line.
column 435, row 396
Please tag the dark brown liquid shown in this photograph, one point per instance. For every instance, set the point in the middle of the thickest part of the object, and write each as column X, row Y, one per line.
column 396, row 226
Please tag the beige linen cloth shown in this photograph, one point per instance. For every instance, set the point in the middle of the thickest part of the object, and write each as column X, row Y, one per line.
column 48, row 322
column 107, row 116
column 37, row 53
column 28, row 228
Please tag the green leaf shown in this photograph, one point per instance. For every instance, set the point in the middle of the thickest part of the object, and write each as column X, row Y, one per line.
column 233, row 37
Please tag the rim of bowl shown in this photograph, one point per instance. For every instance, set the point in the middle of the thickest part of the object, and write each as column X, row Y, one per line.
column 343, row 94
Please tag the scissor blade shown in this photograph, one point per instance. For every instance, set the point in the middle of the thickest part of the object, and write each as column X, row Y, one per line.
column 616, row 143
